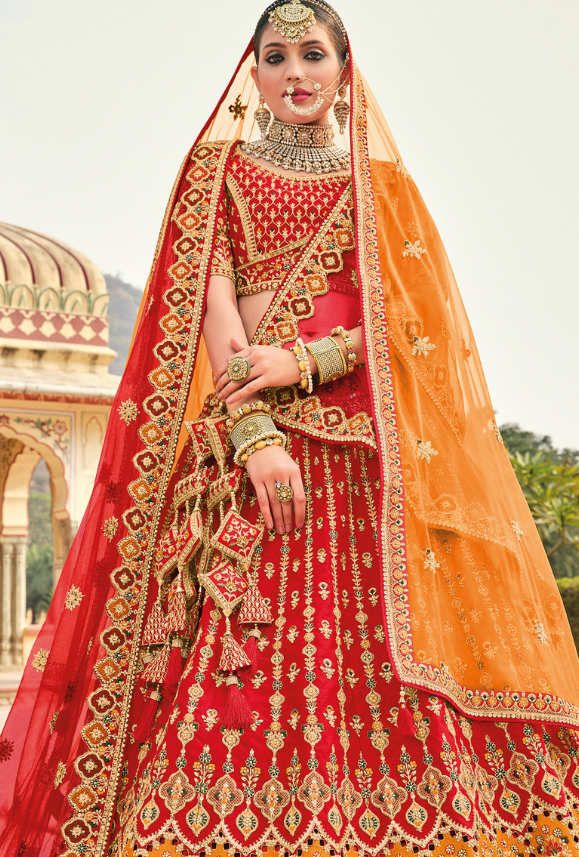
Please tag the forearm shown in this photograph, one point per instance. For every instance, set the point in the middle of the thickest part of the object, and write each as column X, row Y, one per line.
column 222, row 322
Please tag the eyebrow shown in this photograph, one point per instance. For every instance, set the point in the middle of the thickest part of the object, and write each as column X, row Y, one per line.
column 284, row 44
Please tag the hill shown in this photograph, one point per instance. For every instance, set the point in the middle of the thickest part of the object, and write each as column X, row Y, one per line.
column 123, row 307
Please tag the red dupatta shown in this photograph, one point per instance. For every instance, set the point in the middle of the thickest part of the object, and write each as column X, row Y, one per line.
column 456, row 537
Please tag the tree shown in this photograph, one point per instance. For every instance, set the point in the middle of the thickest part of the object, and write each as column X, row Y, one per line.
column 550, row 481
column 38, row 579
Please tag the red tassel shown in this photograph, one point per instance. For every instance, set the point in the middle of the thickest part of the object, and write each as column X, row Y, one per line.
column 405, row 722
column 145, row 725
column 236, row 712
column 251, row 649
column 174, row 669
column 233, row 656
column 177, row 619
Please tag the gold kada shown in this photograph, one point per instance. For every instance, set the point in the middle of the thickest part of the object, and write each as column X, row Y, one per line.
column 292, row 21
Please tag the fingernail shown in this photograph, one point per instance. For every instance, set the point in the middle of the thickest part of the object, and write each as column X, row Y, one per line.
column 280, row 530
column 288, row 529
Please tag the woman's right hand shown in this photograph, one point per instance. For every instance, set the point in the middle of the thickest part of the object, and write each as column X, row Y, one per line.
column 267, row 466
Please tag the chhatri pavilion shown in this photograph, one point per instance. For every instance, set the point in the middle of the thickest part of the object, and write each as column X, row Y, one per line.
column 55, row 397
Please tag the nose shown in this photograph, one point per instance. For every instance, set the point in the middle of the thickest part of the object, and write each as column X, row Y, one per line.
column 294, row 72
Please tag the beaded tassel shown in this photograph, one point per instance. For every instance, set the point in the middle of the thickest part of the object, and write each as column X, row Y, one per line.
column 405, row 720
column 232, row 655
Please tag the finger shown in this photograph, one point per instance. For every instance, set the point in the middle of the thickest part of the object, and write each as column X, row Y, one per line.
column 241, row 388
column 247, row 389
column 276, row 509
column 263, row 500
column 239, row 346
column 299, row 499
column 287, row 510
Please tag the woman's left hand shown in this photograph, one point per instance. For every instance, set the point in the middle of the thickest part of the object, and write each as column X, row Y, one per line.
column 270, row 367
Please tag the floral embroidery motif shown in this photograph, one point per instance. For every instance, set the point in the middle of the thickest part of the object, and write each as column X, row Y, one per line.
column 430, row 561
column 73, row 598
column 425, row 450
column 400, row 168
column 413, row 249
column 6, row 749
column 517, row 530
column 540, row 632
column 422, row 346
column 110, row 527
column 128, row 411
column 60, row 774
column 39, row 660
column 238, row 109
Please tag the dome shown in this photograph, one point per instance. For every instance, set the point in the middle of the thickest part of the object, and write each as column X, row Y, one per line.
column 38, row 272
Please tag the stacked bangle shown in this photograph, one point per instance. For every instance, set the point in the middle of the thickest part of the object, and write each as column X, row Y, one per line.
column 306, row 380
column 329, row 359
column 252, row 432
column 246, row 410
column 349, row 343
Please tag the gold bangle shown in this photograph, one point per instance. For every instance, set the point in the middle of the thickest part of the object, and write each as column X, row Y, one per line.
column 329, row 359
column 246, row 410
column 350, row 347
column 259, row 442
column 306, row 380
column 249, row 427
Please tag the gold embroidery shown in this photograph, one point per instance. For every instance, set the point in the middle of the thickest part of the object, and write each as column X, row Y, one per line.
column 422, row 346
column 517, row 530
column 73, row 598
column 413, row 249
column 128, row 411
column 60, row 774
column 39, row 660
column 430, row 560
column 110, row 527
column 425, row 450
column 540, row 632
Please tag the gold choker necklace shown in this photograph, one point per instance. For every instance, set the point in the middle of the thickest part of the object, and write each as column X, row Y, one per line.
column 304, row 148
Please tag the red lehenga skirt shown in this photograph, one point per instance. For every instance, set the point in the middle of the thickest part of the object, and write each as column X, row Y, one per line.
column 338, row 760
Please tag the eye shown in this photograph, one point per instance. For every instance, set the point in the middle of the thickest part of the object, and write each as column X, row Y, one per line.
column 314, row 55
column 274, row 59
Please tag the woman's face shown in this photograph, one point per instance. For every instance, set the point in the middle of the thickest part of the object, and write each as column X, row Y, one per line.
column 312, row 59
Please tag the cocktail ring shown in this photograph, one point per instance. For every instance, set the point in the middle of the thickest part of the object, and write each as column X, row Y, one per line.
column 284, row 493
column 238, row 369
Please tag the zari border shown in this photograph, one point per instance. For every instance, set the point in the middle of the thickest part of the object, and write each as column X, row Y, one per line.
column 194, row 214
column 516, row 705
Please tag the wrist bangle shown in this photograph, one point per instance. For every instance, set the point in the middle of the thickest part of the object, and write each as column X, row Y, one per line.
column 246, row 410
column 349, row 343
column 329, row 359
column 259, row 442
column 306, row 380
column 252, row 432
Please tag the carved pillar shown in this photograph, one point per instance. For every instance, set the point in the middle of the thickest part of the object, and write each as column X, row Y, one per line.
column 6, row 564
column 18, row 600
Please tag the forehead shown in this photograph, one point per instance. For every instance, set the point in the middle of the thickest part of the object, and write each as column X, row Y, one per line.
column 318, row 34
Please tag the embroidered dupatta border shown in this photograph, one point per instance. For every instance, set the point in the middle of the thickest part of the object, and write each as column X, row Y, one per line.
column 516, row 705
column 201, row 180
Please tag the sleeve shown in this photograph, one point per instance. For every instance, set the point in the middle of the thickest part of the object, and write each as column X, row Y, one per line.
column 222, row 261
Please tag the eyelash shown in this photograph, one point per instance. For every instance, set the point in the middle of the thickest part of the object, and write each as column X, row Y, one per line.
column 315, row 56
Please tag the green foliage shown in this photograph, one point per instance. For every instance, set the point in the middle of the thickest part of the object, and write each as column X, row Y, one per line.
column 40, row 519
column 569, row 589
column 550, row 481
column 38, row 578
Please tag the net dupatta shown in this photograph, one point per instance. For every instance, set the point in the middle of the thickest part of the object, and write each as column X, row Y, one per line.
column 470, row 603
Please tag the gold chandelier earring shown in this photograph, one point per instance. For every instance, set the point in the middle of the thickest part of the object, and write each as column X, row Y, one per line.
column 262, row 116
column 342, row 108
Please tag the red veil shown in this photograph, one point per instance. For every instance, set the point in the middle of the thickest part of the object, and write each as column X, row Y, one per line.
column 456, row 537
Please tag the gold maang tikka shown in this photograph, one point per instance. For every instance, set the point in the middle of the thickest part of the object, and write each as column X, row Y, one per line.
column 292, row 20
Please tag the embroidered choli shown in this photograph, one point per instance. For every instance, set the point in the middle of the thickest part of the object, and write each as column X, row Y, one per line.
column 266, row 220
column 294, row 236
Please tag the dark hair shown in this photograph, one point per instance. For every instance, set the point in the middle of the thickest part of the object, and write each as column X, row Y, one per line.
column 323, row 17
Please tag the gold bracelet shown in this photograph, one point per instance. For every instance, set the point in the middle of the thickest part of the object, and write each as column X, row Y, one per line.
column 349, row 343
column 306, row 380
column 246, row 410
column 249, row 427
column 329, row 359
column 259, row 442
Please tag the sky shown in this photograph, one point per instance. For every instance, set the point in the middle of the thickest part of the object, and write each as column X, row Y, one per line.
column 100, row 101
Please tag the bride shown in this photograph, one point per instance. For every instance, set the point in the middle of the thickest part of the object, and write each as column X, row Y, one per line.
column 307, row 610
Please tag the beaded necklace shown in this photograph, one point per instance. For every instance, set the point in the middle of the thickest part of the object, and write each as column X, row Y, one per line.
column 304, row 148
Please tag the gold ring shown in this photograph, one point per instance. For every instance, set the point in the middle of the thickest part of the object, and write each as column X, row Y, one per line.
column 284, row 493
column 238, row 369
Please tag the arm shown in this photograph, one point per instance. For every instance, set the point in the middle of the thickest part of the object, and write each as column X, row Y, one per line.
column 221, row 327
